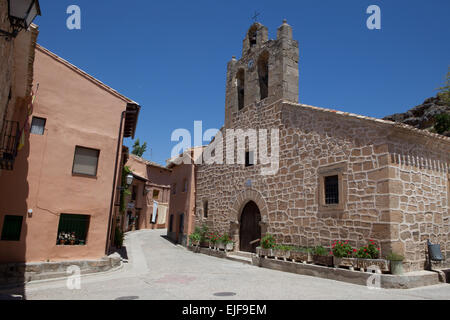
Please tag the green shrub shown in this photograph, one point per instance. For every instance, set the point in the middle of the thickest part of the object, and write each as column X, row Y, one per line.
column 320, row 251
column 118, row 238
column 442, row 123
column 195, row 238
column 283, row 247
column 268, row 242
column 395, row 257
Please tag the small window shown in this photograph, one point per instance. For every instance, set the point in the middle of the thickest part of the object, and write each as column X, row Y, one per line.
column 331, row 190
column 185, row 185
column 12, row 227
column 72, row 229
column 85, row 161
column 38, row 126
column 155, row 194
column 174, row 188
column 249, row 159
column 205, row 209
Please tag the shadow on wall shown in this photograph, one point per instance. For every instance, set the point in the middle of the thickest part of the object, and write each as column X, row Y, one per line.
column 14, row 223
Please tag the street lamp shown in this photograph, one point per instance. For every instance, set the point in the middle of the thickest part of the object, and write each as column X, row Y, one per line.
column 129, row 179
column 21, row 14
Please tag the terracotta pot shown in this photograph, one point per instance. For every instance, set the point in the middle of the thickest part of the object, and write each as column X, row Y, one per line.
column 72, row 242
column 323, row 260
column 62, row 241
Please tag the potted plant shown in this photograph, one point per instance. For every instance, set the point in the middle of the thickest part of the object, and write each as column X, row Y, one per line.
column 342, row 253
column 322, row 256
column 301, row 254
column 267, row 245
column 227, row 242
column 118, row 238
column 213, row 238
column 203, row 231
column 282, row 252
column 396, row 261
column 368, row 257
column 72, row 238
column 194, row 239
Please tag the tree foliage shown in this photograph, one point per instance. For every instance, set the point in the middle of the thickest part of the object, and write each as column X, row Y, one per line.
column 139, row 149
column 444, row 92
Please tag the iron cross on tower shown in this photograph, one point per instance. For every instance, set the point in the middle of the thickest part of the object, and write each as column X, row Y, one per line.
column 255, row 16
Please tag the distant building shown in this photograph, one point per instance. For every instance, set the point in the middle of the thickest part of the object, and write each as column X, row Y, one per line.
column 58, row 201
column 182, row 196
column 147, row 206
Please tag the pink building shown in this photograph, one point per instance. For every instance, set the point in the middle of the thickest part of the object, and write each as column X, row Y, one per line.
column 58, row 201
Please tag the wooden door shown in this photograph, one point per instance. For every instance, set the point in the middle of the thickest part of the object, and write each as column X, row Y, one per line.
column 249, row 227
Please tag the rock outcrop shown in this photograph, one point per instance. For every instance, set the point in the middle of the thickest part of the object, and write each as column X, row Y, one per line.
column 422, row 116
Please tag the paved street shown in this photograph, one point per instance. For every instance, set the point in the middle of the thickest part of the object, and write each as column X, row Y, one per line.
column 158, row 269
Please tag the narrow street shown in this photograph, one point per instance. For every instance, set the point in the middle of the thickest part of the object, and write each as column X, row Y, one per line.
column 158, row 269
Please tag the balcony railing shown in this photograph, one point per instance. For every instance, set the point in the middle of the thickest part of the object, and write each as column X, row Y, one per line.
column 9, row 141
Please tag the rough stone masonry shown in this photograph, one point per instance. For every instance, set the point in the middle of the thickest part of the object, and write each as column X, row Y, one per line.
column 393, row 179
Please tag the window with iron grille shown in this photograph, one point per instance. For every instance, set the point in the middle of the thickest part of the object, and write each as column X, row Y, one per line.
column 73, row 229
column 12, row 227
column 331, row 190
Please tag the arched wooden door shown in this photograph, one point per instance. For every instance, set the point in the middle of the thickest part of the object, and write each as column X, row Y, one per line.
column 249, row 227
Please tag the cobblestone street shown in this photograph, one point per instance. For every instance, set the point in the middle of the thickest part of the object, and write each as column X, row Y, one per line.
column 158, row 269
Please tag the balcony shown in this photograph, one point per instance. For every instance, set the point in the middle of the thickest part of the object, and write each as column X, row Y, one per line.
column 9, row 141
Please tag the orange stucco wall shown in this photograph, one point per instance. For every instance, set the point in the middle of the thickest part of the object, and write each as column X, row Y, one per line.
column 78, row 112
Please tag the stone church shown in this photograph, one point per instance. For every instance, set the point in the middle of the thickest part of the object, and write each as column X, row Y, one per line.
column 341, row 176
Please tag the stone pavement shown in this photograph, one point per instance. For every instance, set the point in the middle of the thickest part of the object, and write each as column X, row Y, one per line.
column 158, row 269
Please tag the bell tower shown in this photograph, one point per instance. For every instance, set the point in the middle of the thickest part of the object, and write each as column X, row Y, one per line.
column 266, row 72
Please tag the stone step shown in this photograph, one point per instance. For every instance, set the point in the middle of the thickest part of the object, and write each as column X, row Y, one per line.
column 238, row 258
column 242, row 254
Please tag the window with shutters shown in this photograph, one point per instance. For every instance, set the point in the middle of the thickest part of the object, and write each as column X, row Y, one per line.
column 12, row 227
column 85, row 161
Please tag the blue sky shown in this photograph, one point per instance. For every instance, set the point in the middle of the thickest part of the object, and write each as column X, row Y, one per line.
column 171, row 56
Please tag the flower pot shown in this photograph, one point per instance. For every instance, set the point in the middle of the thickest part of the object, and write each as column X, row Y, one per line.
column 281, row 254
column 396, row 267
column 301, row 256
column 378, row 264
column 261, row 252
column 72, row 242
column 345, row 262
column 220, row 246
column 323, row 260
column 229, row 246
column 62, row 241
column 204, row 244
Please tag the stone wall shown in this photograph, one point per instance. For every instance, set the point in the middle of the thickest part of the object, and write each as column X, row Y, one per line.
column 375, row 199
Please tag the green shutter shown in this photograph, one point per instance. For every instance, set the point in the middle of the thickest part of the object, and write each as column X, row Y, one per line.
column 12, row 227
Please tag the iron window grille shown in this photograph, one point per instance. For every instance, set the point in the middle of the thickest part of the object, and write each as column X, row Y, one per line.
column 332, row 190
column 72, row 229
column 9, row 142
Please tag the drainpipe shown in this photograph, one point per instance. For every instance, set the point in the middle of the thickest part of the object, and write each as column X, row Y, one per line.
column 119, row 144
